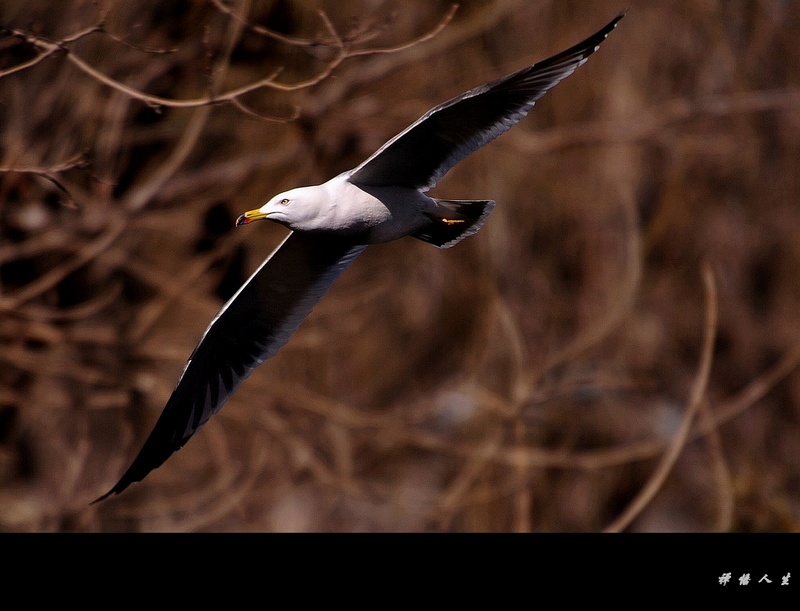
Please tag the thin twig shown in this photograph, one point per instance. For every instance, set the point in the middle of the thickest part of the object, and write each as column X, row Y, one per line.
column 46, row 48
column 722, row 475
column 147, row 50
column 470, row 473
column 443, row 23
column 76, row 161
column 654, row 120
column 259, row 29
column 648, row 492
column 48, row 173
column 624, row 297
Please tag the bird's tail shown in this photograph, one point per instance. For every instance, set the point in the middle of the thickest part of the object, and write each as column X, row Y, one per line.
column 453, row 220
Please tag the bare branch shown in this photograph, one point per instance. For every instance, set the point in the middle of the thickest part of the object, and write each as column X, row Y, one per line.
column 49, row 239
column 148, row 50
column 49, row 174
column 29, row 63
column 76, row 161
column 722, row 473
column 443, row 23
column 47, row 48
column 258, row 29
column 292, row 117
column 356, row 36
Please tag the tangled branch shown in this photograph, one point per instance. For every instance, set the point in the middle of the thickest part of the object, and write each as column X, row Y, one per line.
column 342, row 46
column 50, row 173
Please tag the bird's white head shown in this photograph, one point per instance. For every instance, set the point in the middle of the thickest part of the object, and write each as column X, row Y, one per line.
column 297, row 209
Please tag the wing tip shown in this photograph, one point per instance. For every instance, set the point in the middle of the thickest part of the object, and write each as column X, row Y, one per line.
column 615, row 21
column 603, row 33
column 610, row 27
column 577, row 54
column 114, row 491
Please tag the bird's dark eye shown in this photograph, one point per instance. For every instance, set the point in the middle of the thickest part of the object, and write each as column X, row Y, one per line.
column 284, row 202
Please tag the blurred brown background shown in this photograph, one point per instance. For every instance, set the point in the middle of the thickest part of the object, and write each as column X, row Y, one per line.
column 572, row 367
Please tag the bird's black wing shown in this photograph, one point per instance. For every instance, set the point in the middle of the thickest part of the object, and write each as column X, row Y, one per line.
column 248, row 330
column 420, row 155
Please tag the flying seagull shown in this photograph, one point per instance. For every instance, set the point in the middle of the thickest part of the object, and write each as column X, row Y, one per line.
column 380, row 200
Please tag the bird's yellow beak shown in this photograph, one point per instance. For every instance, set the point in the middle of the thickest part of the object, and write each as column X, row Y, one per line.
column 250, row 216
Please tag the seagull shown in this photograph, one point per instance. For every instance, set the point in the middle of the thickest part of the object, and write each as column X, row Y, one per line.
column 382, row 199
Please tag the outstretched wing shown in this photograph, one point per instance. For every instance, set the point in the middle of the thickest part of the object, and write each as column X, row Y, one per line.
column 248, row 330
column 419, row 156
